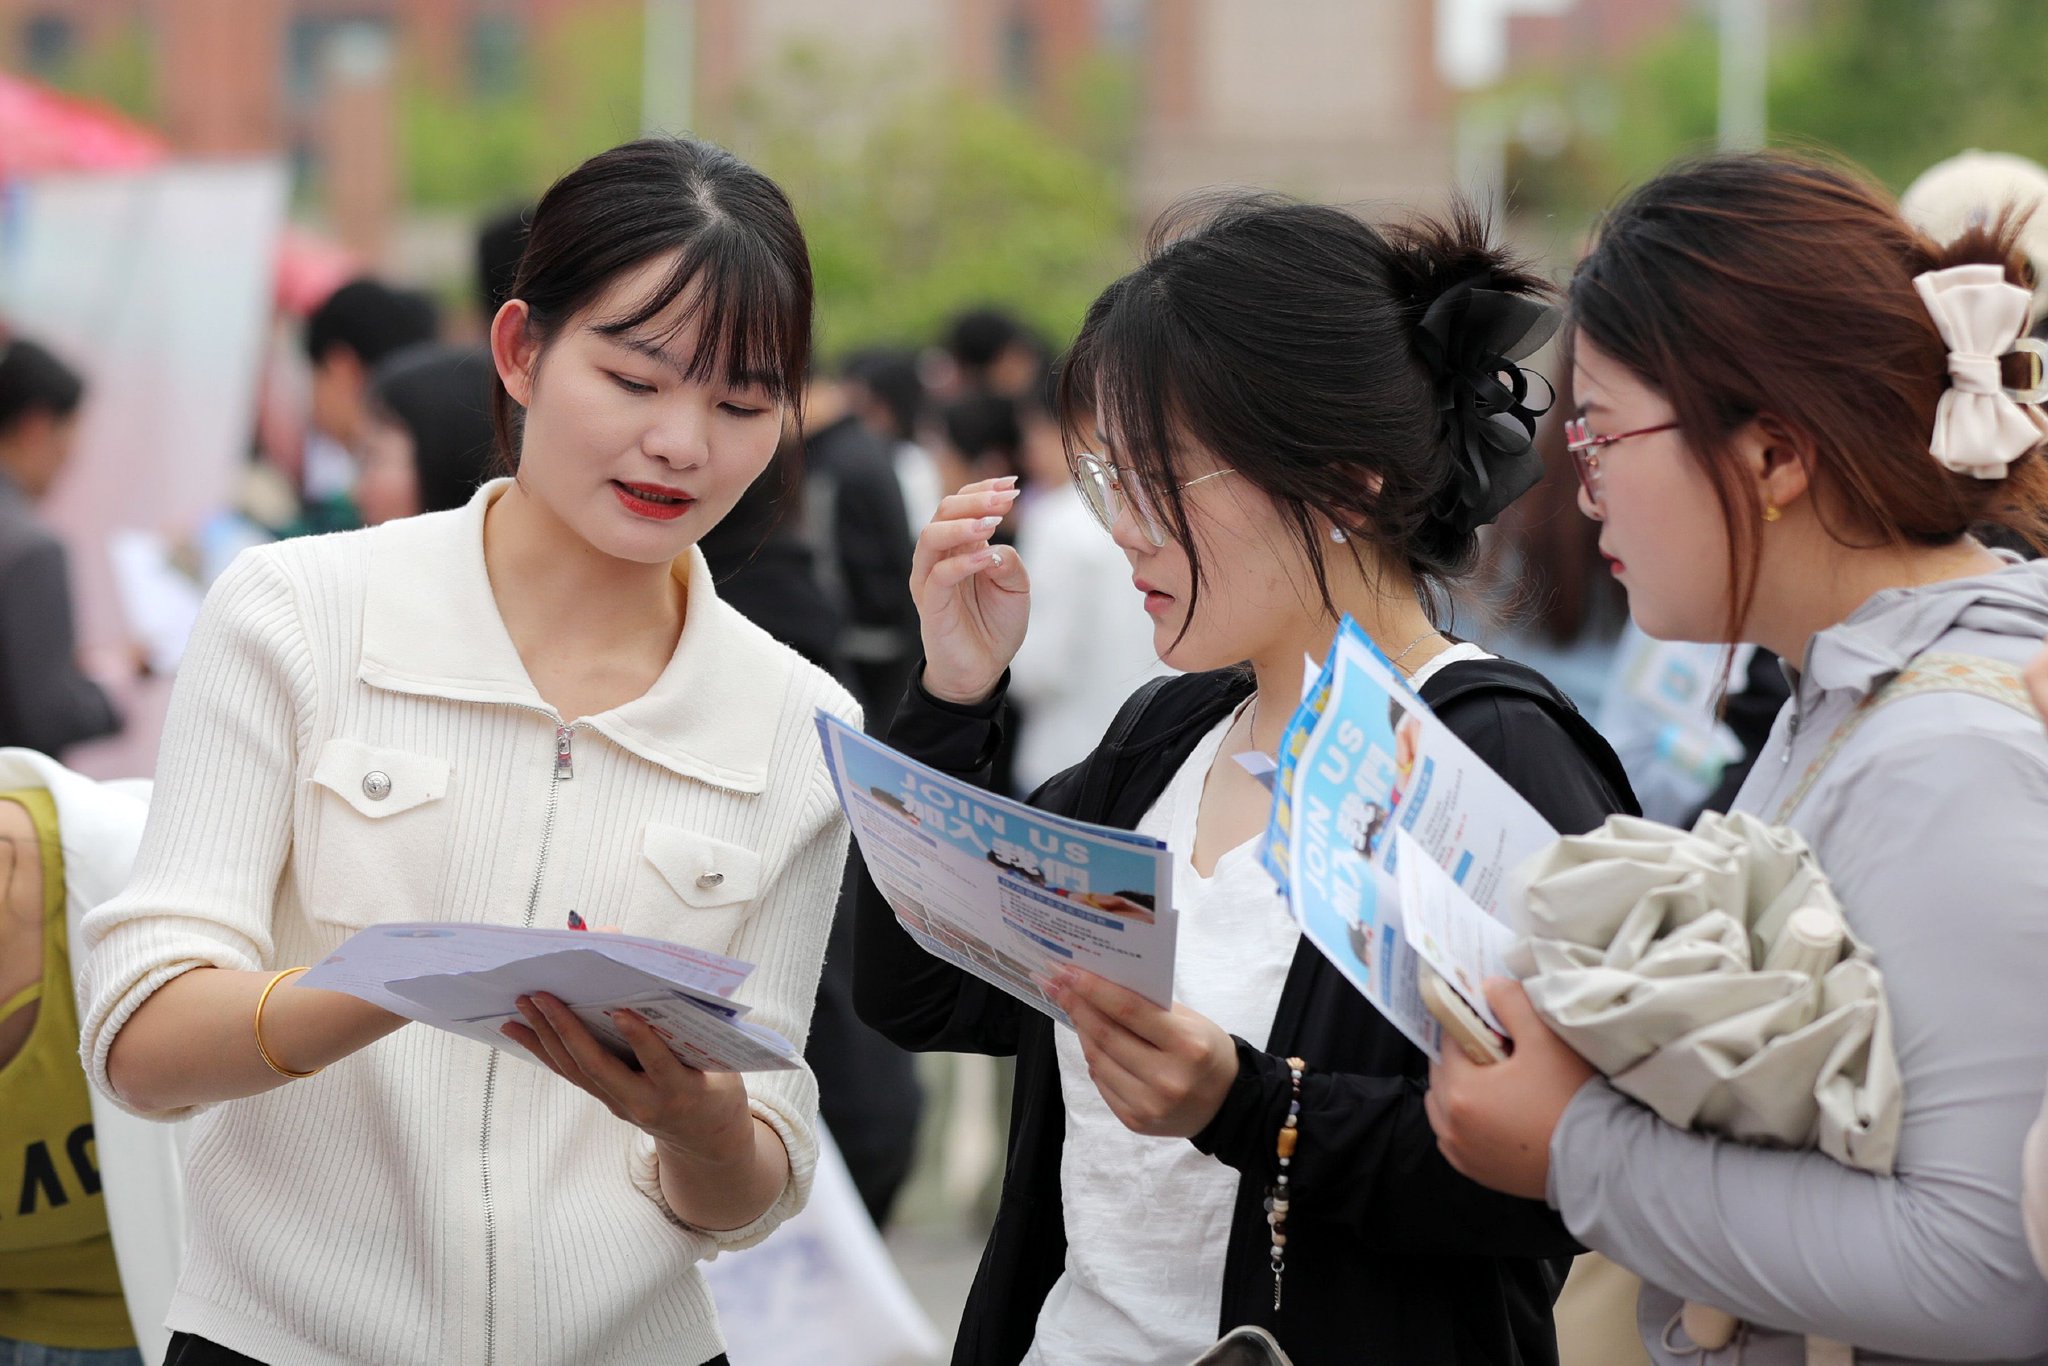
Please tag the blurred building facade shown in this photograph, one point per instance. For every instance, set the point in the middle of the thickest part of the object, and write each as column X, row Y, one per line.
column 1332, row 99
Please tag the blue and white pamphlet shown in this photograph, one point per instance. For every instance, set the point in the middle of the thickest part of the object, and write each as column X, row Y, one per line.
column 1000, row 889
column 1370, row 785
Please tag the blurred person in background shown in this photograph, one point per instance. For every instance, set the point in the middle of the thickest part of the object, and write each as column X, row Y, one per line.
column 764, row 564
column 89, row 1252
column 347, row 337
column 425, row 443
column 885, row 390
column 990, row 351
column 1970, row 190
column 1090, row 644
column 47, row 702
column 979, row 438
column 500, row 240
column 853, row 519
column 1546, row 594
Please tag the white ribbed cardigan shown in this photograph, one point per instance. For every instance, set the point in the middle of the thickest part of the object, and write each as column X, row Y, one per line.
column 429, row 1199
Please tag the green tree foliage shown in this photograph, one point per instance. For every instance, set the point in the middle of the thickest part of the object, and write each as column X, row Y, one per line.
column 119, row 71
column 920, row 203
column 580, row 96
column 1893, row 84
column 918, row 199
column 1901, row 84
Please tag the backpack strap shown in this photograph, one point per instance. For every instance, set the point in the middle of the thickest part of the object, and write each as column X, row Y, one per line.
column 1095, row 779
column 1992, row 679
column 1504, row 677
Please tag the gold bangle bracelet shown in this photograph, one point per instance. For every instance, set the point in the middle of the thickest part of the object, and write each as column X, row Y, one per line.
column 269, row 1061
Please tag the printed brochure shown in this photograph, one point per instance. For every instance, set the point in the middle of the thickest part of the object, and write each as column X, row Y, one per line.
column 1002, row 890
column 1370, row 779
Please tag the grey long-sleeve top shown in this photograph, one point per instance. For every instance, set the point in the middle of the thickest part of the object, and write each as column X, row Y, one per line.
column 46, row 703
column 1932, row 820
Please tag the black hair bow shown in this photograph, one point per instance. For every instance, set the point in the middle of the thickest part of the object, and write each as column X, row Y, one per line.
column 1471, row 338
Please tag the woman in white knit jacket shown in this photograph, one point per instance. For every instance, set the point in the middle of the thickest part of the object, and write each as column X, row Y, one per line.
column 526, row 707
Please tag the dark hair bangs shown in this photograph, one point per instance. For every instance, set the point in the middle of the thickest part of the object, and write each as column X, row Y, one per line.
column 741, row 268
column 1135, row 371
column 754, row 322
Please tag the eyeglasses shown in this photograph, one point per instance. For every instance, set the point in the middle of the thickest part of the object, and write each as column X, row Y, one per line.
column 1586, row 447
column 1108, row 491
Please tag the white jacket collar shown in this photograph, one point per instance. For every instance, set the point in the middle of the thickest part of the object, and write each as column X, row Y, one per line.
column 431, row 628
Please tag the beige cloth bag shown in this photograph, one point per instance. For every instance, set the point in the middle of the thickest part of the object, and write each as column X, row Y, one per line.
column 1596, row 1315
column 1682, row 966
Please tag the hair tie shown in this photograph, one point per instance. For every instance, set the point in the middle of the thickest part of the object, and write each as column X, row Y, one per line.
column 1470, row 338
column 1980, row 426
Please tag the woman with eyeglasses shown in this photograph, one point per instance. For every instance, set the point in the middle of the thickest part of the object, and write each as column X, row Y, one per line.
column 1792, row 410
column 1293, row 416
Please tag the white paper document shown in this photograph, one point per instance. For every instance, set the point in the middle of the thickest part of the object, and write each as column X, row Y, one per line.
column 467, row 979
column 1460, row 941
column 1002, row 890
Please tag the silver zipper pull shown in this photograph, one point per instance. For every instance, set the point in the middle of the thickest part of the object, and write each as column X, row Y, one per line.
column 565, row 764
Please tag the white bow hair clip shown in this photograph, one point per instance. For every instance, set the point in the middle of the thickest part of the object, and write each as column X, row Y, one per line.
column 1981, row 427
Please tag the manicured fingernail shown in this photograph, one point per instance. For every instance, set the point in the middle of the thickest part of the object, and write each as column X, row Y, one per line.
column 1007, row 481
column 994, row 557
column 991, row 523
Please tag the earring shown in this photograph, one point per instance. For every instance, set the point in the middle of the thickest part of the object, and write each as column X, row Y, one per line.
column 1337, row 535
column 1772, row 512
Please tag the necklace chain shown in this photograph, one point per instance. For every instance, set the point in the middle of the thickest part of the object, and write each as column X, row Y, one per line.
column 1251, row 729
column 1409, row 648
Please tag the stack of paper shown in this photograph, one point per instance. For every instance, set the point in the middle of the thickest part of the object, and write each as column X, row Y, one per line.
column 467, row 979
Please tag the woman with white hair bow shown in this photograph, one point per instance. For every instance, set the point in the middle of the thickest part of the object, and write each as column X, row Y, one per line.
column 1793, row 409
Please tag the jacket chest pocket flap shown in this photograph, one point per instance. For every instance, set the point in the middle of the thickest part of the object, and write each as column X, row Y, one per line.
column 382, row 833
column 692, row 888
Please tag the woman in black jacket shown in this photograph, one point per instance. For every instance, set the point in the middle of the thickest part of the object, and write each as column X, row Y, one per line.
column 1301, row 417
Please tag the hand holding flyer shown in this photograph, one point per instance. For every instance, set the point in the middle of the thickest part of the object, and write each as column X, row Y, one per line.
column 1000, row 889
column 467, row 980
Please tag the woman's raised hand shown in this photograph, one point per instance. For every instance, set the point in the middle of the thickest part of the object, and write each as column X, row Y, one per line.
column 973, row 599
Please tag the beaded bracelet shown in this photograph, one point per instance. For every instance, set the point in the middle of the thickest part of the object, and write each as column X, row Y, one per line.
column 1277, row 1193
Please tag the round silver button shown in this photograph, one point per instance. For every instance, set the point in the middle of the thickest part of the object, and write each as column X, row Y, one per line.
column 710, row 880
column 377, row 786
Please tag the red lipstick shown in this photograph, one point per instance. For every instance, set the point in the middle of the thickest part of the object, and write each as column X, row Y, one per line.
column 656, row 502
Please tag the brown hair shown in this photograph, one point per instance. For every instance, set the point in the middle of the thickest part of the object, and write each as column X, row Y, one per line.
column 1768, row 285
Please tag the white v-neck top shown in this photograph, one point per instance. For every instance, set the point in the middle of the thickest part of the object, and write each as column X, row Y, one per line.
column 1148, row 1219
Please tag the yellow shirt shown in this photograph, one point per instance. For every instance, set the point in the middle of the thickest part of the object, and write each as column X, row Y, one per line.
column 58, row 1283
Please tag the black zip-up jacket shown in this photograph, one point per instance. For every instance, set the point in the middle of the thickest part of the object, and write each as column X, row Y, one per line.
column 1392, row 1257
